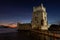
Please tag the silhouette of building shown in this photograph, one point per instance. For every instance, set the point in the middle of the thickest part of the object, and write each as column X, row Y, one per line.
column 54, row 27
column 39, row 20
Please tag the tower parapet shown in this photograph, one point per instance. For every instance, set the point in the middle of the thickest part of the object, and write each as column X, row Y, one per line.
column 37, row 8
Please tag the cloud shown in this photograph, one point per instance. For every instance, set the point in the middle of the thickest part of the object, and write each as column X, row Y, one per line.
column 13, row 25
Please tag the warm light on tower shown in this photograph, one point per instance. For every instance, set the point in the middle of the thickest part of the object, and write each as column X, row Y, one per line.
column 39, row 19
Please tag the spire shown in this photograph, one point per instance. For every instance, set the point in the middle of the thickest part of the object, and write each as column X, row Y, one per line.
column 41, row 4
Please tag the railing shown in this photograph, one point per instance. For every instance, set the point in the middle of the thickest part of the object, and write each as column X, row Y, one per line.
column 45, row 35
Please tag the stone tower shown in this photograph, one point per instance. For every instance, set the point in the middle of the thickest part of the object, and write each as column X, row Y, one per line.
column 39, row 18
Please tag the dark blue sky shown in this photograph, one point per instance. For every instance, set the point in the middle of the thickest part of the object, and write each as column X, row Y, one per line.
column 13, row 11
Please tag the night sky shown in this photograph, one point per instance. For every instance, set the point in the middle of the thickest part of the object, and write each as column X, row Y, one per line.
column 13, row 11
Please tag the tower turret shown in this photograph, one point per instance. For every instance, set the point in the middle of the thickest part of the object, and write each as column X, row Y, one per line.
column 39, row 18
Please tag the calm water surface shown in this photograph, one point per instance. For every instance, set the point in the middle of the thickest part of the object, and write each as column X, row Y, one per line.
column 13, row 34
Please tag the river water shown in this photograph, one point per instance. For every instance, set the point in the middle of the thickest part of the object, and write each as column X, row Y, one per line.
column 13, row 34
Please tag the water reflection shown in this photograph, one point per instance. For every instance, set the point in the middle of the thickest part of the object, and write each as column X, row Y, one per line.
column 22, row 35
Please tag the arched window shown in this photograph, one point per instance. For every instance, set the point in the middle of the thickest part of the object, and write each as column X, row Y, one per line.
column 36, row 18
column 42, row 22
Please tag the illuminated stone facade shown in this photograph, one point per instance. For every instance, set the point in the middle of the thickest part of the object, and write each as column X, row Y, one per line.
column 25, row 26
column 39, row 18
